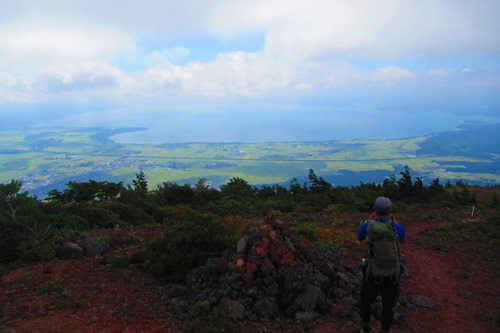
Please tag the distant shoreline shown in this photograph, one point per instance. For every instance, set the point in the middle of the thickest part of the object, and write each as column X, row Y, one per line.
column 267, row 125
column 106, row 133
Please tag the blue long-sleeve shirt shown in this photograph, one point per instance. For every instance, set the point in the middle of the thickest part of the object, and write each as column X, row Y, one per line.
column 400, row 230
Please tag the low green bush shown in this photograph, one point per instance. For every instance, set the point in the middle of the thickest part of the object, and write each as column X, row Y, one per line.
column 329, row 244
column 192, row 238
column 94, row 215
column 122, row 262
column 204, row 318
column 10, row 236
column 307, row 230
column 35, row 248
column 50, row 287
column 127, row 213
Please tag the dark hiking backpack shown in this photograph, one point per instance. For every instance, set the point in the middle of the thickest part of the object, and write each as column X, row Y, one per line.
column 383, row 251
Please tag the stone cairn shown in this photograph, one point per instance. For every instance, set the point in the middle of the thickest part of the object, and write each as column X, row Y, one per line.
column 270, row 274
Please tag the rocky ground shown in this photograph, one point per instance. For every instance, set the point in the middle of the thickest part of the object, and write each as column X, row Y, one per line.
column 450, row 289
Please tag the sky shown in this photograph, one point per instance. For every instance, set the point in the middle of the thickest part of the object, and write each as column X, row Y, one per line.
column 399, row 56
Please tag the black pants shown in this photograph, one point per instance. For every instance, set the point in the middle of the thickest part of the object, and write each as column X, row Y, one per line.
column 388, row 290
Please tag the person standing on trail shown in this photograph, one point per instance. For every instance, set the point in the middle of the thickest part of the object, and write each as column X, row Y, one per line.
column 381, row 268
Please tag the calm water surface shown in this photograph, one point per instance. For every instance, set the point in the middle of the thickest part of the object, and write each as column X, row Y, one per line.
column 268, row 125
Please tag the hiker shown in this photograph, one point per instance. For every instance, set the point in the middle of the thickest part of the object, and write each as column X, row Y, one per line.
column 381, row 270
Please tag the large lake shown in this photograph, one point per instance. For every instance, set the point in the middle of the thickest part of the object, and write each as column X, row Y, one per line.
column 291, row 124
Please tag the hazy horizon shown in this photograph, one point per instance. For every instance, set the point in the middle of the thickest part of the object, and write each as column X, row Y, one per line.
column 170, row 126
column 235, row 70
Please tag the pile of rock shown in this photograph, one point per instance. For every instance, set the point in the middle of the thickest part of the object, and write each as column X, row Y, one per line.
column 270, row 273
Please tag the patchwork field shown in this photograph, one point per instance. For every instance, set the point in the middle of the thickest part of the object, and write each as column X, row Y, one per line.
column 47, row 158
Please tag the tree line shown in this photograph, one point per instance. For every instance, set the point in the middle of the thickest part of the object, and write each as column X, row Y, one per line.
column 28, row 225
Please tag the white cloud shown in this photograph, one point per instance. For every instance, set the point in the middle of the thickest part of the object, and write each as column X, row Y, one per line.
column 60, row 47
column 167, row 80
column 304, row 86
column 392, row 73
column 82, row 80
column 441, row 72
column 8, row 80
column 239, row 73
column 11, row 88
column 384, row 28
column 300, row 27
column 25, row 43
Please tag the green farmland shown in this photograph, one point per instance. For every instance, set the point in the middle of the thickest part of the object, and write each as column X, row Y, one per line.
column 47, row 158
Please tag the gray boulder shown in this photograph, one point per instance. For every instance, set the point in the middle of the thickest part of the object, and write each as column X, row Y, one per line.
column 92, row 247
column 71, row 251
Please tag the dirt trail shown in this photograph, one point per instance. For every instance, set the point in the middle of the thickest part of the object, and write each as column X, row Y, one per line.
column 459, row 286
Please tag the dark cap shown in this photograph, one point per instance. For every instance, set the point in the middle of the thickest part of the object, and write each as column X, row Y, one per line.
column 382, row 206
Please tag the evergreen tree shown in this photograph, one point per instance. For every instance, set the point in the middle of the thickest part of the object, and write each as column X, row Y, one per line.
column 11, row 199
column 405, row 184
column 493, row 203
column 463, row 196
column 296, row 189
column 266, row 192
column 419, row 188
column 391, row 188
column 238, row 189
column 91, row 191
column 318, row 185
column 204, row 193
column 169, row 193
column 140, row 183
column 435, row 188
